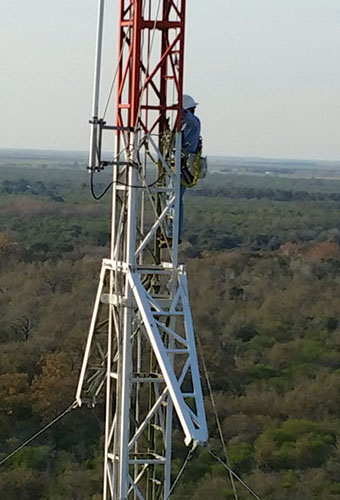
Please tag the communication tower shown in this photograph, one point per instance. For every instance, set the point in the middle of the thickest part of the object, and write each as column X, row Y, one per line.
column 141, row 346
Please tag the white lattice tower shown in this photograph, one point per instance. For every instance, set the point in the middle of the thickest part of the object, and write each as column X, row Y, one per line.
column 141, row 345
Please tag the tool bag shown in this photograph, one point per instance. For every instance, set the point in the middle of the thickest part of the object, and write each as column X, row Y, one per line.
column 194, row 167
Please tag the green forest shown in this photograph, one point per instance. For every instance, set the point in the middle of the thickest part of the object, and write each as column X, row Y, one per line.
column 263, row 260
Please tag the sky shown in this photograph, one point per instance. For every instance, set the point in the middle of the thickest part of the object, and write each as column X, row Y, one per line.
column 266, row 74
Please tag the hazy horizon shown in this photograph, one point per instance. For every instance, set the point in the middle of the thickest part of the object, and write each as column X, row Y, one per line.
column 84, row 153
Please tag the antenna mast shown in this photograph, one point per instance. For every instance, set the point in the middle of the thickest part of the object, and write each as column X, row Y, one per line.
column 141, row 346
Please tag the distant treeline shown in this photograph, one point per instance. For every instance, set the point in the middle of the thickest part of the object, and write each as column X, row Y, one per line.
column 51, row 190
column 24, row 186
column 264, row 193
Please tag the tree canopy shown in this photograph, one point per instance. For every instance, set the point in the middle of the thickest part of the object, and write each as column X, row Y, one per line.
column 264, row 277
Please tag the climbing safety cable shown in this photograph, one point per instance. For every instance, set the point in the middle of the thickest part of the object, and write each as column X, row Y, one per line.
column 37, row 434
column 219, row 427
column 236, row 476
column 188, row 457
column 113, row 83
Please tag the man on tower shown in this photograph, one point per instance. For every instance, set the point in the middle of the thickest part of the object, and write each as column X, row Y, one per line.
column 191, row 126
column 191, row 142
column 191, row 154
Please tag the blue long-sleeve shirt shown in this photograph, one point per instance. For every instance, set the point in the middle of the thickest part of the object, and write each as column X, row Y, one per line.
column 191, row 131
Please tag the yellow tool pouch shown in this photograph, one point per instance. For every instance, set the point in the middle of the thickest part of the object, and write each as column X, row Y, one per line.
column 194, row 167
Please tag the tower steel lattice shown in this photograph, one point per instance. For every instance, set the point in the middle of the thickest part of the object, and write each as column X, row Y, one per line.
column 141, row 346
